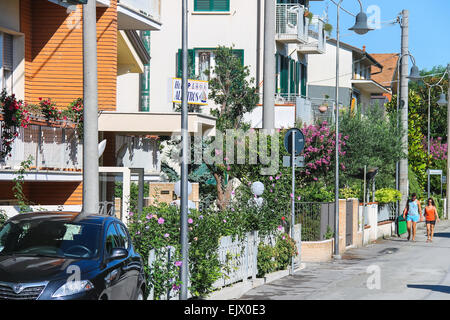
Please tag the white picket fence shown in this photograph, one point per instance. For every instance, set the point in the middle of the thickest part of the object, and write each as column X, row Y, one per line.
column 237, row 257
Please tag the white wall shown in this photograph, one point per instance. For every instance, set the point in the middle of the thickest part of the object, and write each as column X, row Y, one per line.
column 128, row 92
column 322, row 68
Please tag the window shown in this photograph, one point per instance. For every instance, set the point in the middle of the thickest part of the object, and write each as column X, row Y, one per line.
column 6, row 62
column 125, row 243
column 200, row 60
column 113, row 240
column 212, row 5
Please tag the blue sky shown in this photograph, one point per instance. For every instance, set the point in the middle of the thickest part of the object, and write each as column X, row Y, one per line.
column 429, row 27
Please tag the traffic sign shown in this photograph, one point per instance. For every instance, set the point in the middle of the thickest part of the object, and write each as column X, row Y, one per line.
column 299, row 141
column 298, row 161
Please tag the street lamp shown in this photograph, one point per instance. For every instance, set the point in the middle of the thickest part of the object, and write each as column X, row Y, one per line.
column 361, row 27
column 441, row 102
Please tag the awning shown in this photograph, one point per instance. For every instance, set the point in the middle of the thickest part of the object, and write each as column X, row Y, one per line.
column 369, row 86
column 129, row 18
column 154, row 123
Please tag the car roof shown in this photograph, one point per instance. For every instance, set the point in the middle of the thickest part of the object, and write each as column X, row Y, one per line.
column 75, row 217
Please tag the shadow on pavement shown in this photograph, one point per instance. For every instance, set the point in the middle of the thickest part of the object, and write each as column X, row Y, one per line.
column 437, row 288
column 442, row 234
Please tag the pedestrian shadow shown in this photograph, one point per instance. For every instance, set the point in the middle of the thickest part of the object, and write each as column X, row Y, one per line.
column 437, row 288
column 442, row 234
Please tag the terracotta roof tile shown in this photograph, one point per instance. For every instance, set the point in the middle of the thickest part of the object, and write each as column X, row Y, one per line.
column 389, row 62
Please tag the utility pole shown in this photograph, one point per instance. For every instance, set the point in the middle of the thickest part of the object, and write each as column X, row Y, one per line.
column 403, row 166
column 184, row 160
column 90, row 111
column 269, row 65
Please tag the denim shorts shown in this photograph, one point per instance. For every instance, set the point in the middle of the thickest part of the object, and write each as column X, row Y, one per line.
column 413, row 218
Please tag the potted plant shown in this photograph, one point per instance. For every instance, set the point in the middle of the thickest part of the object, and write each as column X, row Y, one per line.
column 324, row 106
column 328, row 28
column 308, row 14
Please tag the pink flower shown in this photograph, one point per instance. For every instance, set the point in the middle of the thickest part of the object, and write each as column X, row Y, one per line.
column 166, row 235
column 190, row 220
column 161, row 220
column 225, row 221
column 178, row 263
column 280, row 228
column 270, row 178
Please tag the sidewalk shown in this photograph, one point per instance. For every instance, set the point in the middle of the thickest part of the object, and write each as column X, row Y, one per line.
column 407, row 270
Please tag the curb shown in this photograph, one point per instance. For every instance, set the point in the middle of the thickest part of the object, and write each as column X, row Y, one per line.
column 239, row 289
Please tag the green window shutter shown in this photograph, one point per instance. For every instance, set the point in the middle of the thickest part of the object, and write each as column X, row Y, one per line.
column 284, row 76
column 291, row 76
column 277, row 71
column 297, row 77
column 240, row 54
column 191, row 63
column 304, row 79
column 211, row 5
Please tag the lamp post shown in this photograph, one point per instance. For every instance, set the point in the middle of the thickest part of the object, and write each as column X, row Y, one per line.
column 360, row 27
column 448, row 146
column 441, row 102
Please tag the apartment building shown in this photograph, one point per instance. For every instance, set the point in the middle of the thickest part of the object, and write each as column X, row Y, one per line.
column 238, row 24
column 41, row 57
column 358, row 87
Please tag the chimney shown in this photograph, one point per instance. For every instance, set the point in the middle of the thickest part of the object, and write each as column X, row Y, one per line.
column 364, row 48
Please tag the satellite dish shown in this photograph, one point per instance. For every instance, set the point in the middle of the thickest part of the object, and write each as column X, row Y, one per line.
column 101, row 148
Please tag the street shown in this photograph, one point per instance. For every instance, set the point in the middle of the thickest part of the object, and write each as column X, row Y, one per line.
column 407, row 270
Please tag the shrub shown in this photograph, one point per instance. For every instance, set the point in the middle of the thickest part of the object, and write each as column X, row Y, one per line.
column 285, row 249
column 387, row 195
column 266, row 260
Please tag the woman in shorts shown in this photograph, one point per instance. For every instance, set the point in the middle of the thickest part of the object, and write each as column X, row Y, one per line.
column 412, row 214
column 431, row 216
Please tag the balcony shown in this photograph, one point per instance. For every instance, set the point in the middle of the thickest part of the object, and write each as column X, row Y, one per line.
column 51, row 149
column 317, row 38
column 291, row 24
column 139, row 14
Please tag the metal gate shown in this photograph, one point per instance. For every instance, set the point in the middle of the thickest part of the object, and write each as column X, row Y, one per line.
column 349, row 223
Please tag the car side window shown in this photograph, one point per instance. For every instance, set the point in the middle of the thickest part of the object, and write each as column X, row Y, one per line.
column 123, row 235
column 112, row 239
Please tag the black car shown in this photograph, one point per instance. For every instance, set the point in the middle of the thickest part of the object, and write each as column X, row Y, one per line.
column 61, row 256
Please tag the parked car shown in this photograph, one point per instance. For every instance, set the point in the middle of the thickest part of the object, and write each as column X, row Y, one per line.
column 62, row 256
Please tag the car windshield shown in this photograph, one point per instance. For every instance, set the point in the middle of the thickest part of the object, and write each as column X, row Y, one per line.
column 50, row 238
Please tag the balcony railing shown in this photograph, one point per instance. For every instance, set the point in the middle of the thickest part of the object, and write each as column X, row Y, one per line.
column 317, row 36
column 291, row 24
column 51, row 148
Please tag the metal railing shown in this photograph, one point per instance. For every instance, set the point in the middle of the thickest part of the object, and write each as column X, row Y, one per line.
column 317, row 220
column 291, row 24
column 315, row 30
column 49, row 147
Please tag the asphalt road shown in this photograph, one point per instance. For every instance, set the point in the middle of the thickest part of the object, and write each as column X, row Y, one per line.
column 389, row 269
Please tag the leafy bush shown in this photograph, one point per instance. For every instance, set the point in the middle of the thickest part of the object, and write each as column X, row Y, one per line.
column 387, row 195
column 349, row 192
column 285, row 249
column 266, row 260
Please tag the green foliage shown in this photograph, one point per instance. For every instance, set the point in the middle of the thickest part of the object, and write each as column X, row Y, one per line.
column 387, row 195
column 329, row 234
column 18, row 181
column 285, row 249
column 352, row 192
column 230, row 89
column 266, row 260
column 414, row 186
column 374, row 140
column 134, row 193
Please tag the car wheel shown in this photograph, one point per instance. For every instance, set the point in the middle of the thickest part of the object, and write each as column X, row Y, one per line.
column 140, row 295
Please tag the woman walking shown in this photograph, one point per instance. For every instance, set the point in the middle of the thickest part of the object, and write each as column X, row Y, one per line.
column 431, row 216
column 412, row 214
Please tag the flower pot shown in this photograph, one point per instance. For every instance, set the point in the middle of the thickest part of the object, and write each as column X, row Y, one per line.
column 323, row 108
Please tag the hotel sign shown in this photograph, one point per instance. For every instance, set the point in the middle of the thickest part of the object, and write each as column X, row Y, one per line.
column 197, row 91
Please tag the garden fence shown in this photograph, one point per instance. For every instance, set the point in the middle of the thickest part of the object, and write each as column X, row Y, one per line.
column 237, row 257
column 317, row 220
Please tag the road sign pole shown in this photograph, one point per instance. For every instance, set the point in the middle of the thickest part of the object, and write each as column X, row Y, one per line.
column 293, row 197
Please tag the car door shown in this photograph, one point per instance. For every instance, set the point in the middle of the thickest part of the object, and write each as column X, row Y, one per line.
column 115, row 279
column 131, row 266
